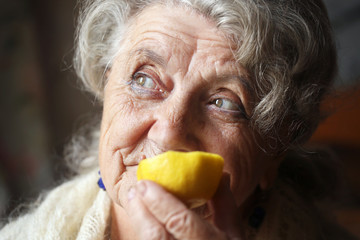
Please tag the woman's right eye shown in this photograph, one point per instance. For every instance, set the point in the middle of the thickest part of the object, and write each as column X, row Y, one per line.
column 144, row 81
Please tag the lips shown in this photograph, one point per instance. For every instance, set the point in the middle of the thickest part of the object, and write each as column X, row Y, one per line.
column 140, row 153
column 134, row 161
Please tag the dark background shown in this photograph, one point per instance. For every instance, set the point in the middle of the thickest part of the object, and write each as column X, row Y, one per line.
column 41, row 103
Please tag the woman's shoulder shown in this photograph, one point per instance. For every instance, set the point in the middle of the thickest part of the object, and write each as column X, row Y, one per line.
column 62, row 212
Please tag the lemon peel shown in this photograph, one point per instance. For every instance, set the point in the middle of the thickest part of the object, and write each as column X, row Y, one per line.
column 193, row 177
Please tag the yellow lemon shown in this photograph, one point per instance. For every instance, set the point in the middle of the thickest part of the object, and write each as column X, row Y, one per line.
column 191, row 176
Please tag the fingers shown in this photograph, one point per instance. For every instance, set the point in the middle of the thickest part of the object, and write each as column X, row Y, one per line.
column 145, row 224
column 171, row 216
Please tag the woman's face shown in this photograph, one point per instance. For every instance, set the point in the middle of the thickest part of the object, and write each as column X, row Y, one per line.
column 176, row 86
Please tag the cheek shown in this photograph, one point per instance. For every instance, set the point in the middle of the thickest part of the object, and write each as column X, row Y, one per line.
column 119, row 121
column 125, row 119
column 243, row 162
column 117, row 137
column 123, row 129
column 111, row 135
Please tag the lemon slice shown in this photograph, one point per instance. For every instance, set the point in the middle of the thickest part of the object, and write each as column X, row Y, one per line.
column 191, row 176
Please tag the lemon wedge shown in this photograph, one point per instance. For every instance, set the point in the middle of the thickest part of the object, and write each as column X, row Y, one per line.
column 193, row 177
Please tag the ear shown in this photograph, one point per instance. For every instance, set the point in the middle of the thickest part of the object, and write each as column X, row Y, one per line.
column 270, row 174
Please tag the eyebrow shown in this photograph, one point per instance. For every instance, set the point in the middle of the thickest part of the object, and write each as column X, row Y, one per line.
column 239, row 79
column 151, row 55
column 245, row 82
column 158, row 59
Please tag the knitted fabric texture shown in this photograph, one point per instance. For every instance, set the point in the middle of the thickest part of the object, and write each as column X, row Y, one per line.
column 77, row 209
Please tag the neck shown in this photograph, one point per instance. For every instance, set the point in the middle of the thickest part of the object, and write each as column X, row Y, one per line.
column 121, row 228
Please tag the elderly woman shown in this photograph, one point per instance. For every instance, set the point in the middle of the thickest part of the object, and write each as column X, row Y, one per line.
column 240, row 78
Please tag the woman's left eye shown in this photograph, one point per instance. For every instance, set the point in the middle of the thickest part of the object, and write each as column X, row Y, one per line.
column 144, row 81
column 226, row 104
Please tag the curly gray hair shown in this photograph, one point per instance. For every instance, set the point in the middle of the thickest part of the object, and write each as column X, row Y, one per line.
column 286, row 46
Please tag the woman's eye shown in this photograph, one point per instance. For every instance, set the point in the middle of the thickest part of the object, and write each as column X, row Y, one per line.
column 144, row 81
column 226, row 104
column 232, row 108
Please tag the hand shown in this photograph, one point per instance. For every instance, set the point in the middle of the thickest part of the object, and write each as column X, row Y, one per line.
column 156, row 214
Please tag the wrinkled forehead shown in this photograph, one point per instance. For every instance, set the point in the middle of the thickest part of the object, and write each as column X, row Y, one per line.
column 178, row 27
column 181, row 40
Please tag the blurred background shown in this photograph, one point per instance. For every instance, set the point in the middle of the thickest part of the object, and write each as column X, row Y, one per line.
column 41, row 104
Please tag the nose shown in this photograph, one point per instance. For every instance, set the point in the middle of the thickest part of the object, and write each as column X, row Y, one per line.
column 175, row 127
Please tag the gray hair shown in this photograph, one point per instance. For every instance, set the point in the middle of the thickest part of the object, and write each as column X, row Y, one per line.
column 286, row 46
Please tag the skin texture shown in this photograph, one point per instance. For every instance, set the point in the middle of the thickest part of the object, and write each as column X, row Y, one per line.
column 175, row 86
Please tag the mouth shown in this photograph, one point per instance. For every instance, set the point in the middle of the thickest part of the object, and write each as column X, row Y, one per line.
column 134, row 162
column 203, row 210
column 132, row 155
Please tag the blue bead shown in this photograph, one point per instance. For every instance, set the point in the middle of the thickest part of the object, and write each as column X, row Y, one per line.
column 100, row 183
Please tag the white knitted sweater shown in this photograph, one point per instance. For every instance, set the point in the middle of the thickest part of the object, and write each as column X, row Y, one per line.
column 77, row 209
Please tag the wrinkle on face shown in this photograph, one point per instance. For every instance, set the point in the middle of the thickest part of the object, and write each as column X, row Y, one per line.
column 119, row 110
column 195, row 64
column 183, row 31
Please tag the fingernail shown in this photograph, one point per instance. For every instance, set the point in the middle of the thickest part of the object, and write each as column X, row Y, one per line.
column 141, row 188
column 131, row 193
